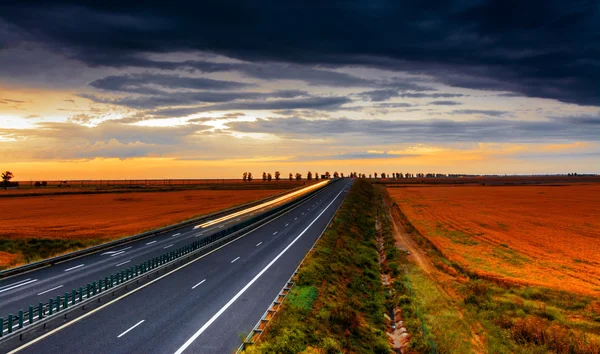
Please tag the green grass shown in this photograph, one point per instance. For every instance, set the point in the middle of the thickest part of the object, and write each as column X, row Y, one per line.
column 34, row 249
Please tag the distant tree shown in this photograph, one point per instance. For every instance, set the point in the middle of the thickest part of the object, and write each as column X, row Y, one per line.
column 44, row 184
column 336, row 174
column 316, row 176
column 245, row 176
column 298, row 177
column 342, row 175
column 264, row 176
column 249, row 176
column 291, row 176
column 309, row 176
column 37, row 184
column 327, row 175
column 375, row 174
column 370, row 176
column 277, row 175
column 6, row 177
column 269, row 176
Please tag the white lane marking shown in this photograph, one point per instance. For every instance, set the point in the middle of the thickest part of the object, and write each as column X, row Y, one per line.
column 15, row 285
column 122, row 249
column 233, row 299
column 287, row 224
column 149, row 243
column 171, row 245
column 135, row 325
column 194, row 287
column 100, row 308
column 199, row 234
column 118, row 253
column 177, row 234
column 295, row 218
column 235, row 259
column 78, row 266
column 220, row 227
column 302, row 213
column 258, row 244
column 49, row 290
column 120, row 264
column 238, row 219
column 274, row 233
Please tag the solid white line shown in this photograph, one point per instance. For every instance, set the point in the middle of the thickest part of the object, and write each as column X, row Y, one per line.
column 274, row 233
column 18, row 285
column 177, row 234
column 120, row 264
column 220, row 227
column 258, row 244
column 79, row 266
column 287, row 224
column 199, row 234
column 49, row 290
column 118, row 253
column 228, row 304
column 149, row 243
column 295, row 218
column 171, row 245
column 235, row 259
column 100, row 308
column 135, row 325
column 194, row 287
column 302, row 213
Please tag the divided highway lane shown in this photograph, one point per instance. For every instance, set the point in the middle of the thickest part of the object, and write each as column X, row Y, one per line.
column 19, row 292
column 202, row 306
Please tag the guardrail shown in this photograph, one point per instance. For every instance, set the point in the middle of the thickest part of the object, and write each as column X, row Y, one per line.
column 94, row 249
column 38, row 315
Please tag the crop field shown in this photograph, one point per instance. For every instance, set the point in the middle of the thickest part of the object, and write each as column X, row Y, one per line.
column 34, row 227
column 535, row 235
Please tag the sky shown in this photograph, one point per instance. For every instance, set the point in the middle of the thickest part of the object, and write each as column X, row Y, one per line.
column 210, row 89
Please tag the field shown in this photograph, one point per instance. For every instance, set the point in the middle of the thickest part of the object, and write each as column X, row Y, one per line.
column 39, row 226
column 542, row 235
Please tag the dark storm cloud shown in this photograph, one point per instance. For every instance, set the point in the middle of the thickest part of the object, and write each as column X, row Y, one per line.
column 138, row 83
column 437, row 130
column 445, row 103
column 537, row 48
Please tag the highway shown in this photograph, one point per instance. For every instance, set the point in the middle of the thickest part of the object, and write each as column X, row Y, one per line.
column 19, row 292
column 205, row 305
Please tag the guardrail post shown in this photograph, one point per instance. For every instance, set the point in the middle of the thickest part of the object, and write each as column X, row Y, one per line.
column 94, row 287
column 88, row 290
column 80, row 293
column 112, row 279
column 50, row 306
column 20, row 319
column 10, row 323
column 66, row 301
column 30, row 314
column 73, row 294
column 1, row 327
column 57, row 303
column 105, row 283
column 40, row 310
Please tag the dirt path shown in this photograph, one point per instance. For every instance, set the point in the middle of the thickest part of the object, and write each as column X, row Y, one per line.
column 418, row 255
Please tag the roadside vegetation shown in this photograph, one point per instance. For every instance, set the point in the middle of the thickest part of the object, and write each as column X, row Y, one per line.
column 338, row 302
column 500, row 316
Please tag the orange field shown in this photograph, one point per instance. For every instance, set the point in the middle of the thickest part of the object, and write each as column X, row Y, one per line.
column 538, row 235
column 101, row 217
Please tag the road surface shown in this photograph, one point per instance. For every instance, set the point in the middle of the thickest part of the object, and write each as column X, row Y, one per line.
column 204, row 306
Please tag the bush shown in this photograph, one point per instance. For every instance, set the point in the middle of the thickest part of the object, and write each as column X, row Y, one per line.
column 37, row 184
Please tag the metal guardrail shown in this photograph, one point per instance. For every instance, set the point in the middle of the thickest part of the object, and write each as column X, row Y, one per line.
column 94, row 249
column 35, row 316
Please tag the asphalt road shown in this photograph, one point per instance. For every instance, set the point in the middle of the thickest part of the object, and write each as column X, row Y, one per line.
column 204, row 306
column 19, row 292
